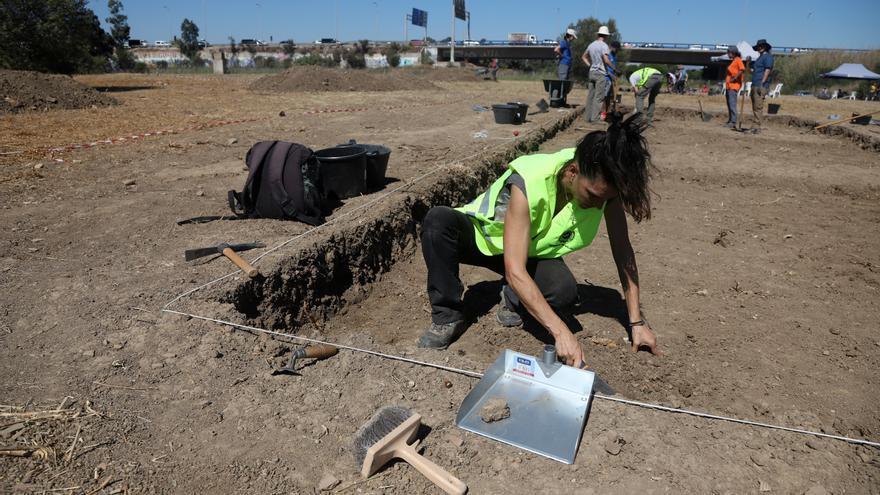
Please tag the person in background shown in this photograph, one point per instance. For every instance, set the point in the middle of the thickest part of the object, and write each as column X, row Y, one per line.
column 596, row 58
column 670, row 81
column 493, row 68
column 646, row 82
column 681, row 78
column 874, row 91
column 733, row 82
column 614, row 46
column 761, row 80
column 563, row 70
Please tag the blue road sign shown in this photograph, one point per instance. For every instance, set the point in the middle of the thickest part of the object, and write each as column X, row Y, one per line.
column 420, row 17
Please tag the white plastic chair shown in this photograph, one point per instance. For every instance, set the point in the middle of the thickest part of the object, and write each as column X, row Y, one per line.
column 747, row 88
column 835, row 94
column 852, row 95
column 775, row 92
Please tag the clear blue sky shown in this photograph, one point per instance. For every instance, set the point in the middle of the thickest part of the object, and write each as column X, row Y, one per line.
column 803, row 23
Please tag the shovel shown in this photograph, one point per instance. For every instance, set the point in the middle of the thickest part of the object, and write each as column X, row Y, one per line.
column 228, row 250
column 706, row 116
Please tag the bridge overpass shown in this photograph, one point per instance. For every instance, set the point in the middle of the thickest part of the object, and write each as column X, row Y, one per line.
column 643, row 55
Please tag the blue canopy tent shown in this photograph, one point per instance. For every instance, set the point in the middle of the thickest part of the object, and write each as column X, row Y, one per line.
column 852, row 71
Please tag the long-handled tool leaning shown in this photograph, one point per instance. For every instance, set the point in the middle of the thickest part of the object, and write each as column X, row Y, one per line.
column 228, row 250
column 742, row 101
column 847, row 119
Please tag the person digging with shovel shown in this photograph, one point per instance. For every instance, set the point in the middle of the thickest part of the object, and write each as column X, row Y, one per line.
column 544, row 207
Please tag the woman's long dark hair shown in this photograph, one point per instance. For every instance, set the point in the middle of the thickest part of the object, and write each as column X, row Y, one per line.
column 620, row 156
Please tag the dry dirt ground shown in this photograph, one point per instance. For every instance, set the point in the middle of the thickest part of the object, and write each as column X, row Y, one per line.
column 759, row 273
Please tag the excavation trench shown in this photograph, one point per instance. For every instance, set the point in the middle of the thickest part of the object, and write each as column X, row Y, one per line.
column 335, row 267
column 862, row 139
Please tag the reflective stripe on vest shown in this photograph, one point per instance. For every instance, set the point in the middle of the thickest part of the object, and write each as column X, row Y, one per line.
column 551, row 236
column 644, row 74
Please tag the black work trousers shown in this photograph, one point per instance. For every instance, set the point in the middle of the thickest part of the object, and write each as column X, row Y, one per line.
column 448, row 241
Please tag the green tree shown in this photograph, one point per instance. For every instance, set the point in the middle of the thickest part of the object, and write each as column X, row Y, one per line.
column 120, row 32
column 586, row 30
column 189, row 40
column 120, row 29
column 356, row 60
column 393, row 55
column 52, row 36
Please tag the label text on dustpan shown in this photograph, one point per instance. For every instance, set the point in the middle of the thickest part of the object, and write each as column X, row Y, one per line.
column 523, row 366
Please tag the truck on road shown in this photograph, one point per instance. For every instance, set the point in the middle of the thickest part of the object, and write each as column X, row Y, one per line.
column 522, row 39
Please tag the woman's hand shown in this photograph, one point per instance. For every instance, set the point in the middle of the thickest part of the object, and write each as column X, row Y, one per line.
column 643, row 336
column 568, row 349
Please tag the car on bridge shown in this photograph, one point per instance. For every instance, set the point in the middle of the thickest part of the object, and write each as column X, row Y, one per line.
column 161, row 44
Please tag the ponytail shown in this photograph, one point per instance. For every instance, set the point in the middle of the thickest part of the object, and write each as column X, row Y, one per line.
column 620, row 156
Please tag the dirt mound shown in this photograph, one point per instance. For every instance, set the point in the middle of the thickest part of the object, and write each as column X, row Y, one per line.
column 326, row 79
column 445, row 74
column 25, row 91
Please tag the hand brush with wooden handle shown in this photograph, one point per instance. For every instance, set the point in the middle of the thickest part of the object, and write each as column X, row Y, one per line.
column 387, row 435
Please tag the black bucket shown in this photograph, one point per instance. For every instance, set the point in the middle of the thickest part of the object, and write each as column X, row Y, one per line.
column 507, row 114
column 377, row 163
column 558, row 90
column 343, row 171
column 523, row 108
column 773, row 108
column 862, row 120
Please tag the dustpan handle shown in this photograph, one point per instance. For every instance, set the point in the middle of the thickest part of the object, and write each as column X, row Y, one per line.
column 439, row 476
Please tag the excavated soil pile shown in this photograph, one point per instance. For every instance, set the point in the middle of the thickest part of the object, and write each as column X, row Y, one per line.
column 326, row 79
column 26, row 91
column 446, row 74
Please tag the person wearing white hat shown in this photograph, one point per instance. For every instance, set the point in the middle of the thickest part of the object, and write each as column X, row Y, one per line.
column 564, row 53
column 596, row 58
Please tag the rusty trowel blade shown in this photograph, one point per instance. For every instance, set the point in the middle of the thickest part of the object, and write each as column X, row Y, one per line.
column 191, row 254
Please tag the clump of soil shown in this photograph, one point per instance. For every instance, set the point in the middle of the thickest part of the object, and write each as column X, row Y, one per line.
column 495, row 409
column 27, row 91
column 327, row 79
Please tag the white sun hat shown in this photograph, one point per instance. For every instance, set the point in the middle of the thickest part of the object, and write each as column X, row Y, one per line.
column 604, row 31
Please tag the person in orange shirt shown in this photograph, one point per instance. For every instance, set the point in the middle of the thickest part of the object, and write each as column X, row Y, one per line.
column 733, row 82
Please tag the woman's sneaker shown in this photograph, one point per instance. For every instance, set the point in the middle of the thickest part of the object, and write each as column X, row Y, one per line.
column 439, row 336
column 506, row 315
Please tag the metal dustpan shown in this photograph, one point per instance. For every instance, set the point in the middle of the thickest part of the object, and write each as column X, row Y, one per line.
column 548, row 404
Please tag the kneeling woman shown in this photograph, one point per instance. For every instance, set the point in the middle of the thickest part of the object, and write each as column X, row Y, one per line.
column 544, row 207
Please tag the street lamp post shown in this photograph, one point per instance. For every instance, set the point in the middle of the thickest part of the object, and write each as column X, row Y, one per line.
column 376, row 21
column 452, row 39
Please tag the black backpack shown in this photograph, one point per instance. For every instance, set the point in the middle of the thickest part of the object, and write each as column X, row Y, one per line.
column 283, row 182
